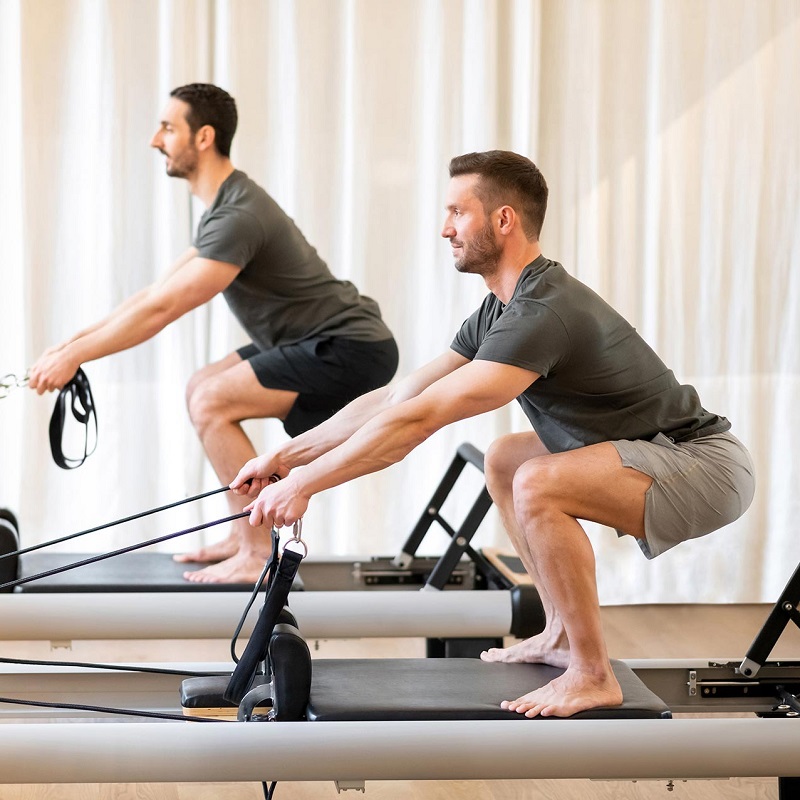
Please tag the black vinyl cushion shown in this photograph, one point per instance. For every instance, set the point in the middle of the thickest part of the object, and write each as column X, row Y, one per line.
column 450, row 689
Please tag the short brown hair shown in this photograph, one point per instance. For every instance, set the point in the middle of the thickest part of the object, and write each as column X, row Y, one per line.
column 507, row 178
column 210, row 105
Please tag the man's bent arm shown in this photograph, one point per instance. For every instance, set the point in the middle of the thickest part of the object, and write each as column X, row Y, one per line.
column 474, row 388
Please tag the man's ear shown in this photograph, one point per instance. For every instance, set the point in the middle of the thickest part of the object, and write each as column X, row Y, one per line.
column 507, row 219
column 205, row 137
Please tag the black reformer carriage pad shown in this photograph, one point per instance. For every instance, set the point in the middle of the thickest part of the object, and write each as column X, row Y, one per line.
column 373, row 689
column 450, row 689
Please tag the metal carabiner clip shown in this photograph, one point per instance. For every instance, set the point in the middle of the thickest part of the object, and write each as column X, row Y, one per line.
column 12, row 381
column 297, row 530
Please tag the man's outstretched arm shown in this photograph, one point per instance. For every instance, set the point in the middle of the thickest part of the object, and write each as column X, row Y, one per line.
column 390, row 435
column 191, row 282
column 309, row 446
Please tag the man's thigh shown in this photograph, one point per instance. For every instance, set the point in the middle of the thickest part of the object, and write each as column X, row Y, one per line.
column 590, row 483
column 209, row 370
column 237, row 392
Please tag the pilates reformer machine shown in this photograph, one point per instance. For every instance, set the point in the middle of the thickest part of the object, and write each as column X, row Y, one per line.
column 356, row 720
column 470, row 600
column 352, row 721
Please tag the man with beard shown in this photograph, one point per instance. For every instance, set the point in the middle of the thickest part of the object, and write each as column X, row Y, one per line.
column 316, row 342
column 617, row 440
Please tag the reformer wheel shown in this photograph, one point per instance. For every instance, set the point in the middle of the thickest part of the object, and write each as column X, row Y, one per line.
column 9, row 543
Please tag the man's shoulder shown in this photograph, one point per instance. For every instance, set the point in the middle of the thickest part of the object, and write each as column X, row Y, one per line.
column 552, row 285
column 239, row 190
column 241, row 204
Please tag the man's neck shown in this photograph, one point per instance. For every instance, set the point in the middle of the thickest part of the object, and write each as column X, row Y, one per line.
column 504, row 279
column 210, row 175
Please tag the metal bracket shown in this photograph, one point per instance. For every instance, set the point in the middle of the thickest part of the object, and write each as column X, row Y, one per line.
column 343, row 786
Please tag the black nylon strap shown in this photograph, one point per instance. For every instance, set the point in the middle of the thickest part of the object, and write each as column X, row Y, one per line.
column 256, row 650
column 78, row 394
column 266, row 576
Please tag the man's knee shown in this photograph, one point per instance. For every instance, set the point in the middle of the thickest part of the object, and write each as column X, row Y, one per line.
column 208, row 373
column 192, row 386
column 204, row 404
column 501, row 462
column 534, row 489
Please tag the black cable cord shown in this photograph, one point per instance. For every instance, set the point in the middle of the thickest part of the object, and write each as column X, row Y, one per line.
column 129, row 712
column 240, row 625
column 268, row 792
column 112, row 667
column 121, row 551
column 120, row 667
column 115, row 522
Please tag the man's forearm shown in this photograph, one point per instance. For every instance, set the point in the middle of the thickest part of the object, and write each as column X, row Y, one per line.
column 133, row 322
column 339, row 428
column 384, row 440
column 123, row 306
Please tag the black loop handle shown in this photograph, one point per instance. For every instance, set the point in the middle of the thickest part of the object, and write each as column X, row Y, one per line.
column 78, row 394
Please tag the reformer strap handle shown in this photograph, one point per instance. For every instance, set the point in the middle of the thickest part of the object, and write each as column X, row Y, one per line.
column 78, row 393
column 276, row 598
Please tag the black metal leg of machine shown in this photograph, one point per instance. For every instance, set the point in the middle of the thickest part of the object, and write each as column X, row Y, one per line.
column 466, row 453
column 783, row 612
column 459, row 648
column 461, row 538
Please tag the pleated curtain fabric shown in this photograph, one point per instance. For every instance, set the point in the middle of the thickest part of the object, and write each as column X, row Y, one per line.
column 667, row 132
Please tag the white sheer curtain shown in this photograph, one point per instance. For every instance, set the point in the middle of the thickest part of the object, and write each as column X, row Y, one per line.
column 667, row 133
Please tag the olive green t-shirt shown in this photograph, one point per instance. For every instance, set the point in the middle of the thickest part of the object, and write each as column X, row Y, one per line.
column 600, row 381
column 284, row 292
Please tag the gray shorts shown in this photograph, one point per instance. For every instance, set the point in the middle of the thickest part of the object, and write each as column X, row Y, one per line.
column 698, row 486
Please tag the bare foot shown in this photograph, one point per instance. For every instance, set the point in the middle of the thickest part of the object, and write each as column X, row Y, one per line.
column 539, row 649
column 214, row 552
column 240, row 568
column 568, row 694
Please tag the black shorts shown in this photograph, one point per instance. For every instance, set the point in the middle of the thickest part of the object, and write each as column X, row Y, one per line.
column 326, row 372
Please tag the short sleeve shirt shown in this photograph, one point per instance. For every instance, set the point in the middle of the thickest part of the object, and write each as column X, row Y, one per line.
column 284, row 292
column 600, row 381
